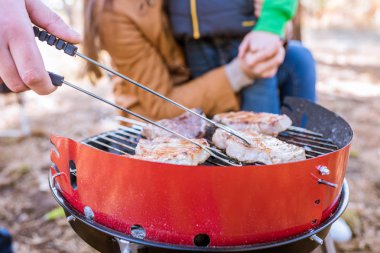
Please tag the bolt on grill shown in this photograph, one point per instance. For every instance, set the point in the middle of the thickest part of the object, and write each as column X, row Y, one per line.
column 124, row 140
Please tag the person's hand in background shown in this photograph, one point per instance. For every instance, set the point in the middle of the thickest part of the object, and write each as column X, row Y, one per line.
column 21, row 64
column 261, row 53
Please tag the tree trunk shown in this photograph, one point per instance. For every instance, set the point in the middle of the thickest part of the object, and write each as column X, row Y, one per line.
column 297, row 31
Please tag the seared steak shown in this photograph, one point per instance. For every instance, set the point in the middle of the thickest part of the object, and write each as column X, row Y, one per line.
column 186, row 124
column 172, row 150
column 266, row 123
column 263, row 149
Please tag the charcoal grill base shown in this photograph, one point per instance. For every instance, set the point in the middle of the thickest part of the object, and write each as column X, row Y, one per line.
column 107, row 240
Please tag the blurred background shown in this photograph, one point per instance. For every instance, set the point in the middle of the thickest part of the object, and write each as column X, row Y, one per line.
column 344, row 38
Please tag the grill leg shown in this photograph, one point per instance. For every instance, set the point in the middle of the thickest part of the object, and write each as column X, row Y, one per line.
column 24, row 129
column 327, row 247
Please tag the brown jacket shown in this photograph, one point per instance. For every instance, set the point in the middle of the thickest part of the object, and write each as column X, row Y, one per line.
column 137, row 36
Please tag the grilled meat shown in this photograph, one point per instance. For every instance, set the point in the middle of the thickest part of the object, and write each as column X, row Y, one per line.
column 264, row 148
column 266, row 123
column 186, row 124
column 172, row 150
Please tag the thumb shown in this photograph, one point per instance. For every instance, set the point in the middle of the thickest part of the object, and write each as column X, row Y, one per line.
column 244, row 47
column 45, row 18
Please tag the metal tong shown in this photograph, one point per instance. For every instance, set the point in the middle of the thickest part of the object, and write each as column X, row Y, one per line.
column 58, row 80
column 72, row 50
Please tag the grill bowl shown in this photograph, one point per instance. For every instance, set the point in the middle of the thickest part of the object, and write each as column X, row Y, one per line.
column 224, row 206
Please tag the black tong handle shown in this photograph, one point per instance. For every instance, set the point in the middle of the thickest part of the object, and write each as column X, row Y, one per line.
column 56, row 80
column 52, row 40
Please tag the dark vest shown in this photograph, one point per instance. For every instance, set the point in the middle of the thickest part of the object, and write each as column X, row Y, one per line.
column 205, row 18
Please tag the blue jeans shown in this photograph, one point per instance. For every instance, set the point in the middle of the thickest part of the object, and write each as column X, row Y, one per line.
column 295, row 77
column 5, row 241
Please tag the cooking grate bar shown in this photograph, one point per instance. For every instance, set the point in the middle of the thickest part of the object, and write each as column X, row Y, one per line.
column 131, row 130
column 299, row 143
column 104, row 145
column 117, row 142
column 303, row 130
column 313, row 143
column 292, row 133
column 119, row 135
column 310, row 150
column 123, row 132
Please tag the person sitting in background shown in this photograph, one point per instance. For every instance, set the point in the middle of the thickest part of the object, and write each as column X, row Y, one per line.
column 212, row 31
column 138, row 37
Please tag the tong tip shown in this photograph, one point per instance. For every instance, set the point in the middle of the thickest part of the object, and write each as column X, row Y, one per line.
column 234, row 133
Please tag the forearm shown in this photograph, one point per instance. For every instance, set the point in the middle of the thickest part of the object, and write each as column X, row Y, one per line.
column 275, row 14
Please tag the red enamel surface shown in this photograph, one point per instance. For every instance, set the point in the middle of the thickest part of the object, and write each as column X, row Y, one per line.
column 233, row 205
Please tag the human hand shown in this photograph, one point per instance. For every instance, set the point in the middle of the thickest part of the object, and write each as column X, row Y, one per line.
column 21, row 64
column 260, row 54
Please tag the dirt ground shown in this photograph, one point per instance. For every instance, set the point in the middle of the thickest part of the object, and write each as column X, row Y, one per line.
column 348, row 83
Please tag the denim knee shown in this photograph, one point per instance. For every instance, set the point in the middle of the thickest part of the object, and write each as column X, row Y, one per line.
column 297, row 74
column 261, row 96
column 299, row 54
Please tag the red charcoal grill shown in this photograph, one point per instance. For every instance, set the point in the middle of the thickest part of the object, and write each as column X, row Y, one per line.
column 120, row 204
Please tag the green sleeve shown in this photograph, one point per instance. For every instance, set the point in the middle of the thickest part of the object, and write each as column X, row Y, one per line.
column 275, row 14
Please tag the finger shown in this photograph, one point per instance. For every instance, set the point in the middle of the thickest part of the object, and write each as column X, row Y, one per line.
column 26, row 55
column 252, row 59
column 243, row 47
column 45, row 18
column 269, row 73
column 30, row 66
column 8, row 72
column 269, row 64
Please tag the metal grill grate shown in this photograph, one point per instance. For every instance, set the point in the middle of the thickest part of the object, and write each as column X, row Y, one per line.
column 123, row 141
column 315, row 144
